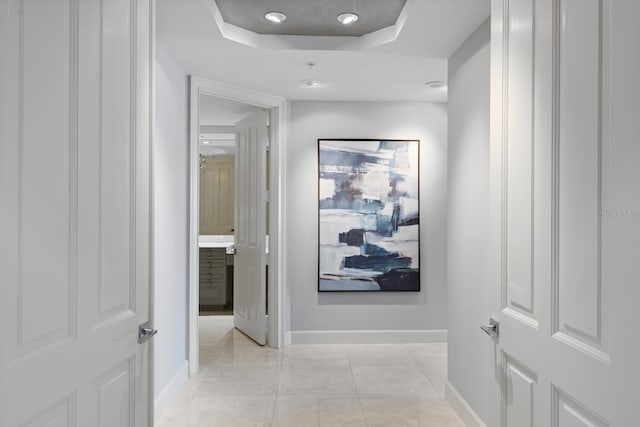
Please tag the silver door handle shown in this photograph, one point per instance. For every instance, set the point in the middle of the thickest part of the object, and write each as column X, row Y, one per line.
column 144, row 333
column 492, row 329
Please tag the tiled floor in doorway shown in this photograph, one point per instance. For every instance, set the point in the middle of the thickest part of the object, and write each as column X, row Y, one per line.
column 243, row 384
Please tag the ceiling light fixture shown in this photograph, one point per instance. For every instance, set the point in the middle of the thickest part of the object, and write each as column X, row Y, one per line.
column 275, row 17
column 310, row 83
column 348, row 18
column 436, row 84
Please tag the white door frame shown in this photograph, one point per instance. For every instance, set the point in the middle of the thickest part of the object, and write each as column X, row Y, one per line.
column 276, row 292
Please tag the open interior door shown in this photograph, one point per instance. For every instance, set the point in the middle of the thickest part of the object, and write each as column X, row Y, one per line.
column 74, row 212
column 249, row 272
column 565, row 175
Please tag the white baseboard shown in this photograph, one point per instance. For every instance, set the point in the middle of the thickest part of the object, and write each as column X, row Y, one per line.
column 166, row 396
column 368, row 337
column 287, row 338
column 465, row 412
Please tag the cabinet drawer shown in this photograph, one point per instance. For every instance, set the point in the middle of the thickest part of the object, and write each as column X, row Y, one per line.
column 211, row 281
column 213, row 275
column 213, row 254
column 207, row 264
column 208, row 283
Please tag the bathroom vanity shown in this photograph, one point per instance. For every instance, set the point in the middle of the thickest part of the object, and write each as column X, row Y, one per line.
column 216, row 270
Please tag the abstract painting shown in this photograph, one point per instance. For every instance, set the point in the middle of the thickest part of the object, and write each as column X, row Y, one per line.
column 369, row 216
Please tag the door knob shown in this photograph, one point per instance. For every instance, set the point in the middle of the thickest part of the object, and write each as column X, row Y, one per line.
column 492, row 329
column 144, row 333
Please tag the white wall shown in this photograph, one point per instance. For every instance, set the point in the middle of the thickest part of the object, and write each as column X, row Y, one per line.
column 170, row 210
column 403, row 311
column 469, row 306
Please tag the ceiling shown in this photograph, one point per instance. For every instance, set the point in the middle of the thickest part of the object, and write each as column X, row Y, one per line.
column 191, row 33
column 310, row 17
column 223, row 112
column 217, row 124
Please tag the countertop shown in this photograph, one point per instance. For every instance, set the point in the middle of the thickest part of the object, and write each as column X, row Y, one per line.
column 218, row 241
column 215, row 241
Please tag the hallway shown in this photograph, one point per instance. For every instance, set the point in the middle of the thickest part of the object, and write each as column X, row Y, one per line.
column 242, row 384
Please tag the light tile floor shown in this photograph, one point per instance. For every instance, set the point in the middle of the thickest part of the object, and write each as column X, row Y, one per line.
column 242, row 384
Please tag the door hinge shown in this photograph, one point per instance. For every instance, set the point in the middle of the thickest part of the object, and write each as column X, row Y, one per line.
column 267, row 144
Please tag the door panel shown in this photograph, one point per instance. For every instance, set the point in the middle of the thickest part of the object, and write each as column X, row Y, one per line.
column 568, row 412
column 116, row 392
column 59, row 415
column 38, row 119
column 74, row 191
column 521, row 388
column 249, row 298
column 566, row 208
column 580, row 144
column 519, row 127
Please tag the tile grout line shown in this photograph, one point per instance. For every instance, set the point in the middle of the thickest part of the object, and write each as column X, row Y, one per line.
column 281, row 356
column 358, row 394
column 350, row 355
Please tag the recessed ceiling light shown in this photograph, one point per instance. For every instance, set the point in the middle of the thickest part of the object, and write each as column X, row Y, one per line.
column 310, row 83
column 275, row 17
column 347, row 18
column 206, row 142
column 436, row 84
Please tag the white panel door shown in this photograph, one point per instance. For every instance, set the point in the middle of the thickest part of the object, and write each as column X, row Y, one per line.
column 74, row 212
column 565, row 156
column 249, row 273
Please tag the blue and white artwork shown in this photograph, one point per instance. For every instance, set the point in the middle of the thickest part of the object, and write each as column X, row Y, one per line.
column 369, row 216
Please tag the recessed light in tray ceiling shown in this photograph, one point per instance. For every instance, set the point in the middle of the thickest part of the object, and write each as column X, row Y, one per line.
column 275, row 17
column 347, row 18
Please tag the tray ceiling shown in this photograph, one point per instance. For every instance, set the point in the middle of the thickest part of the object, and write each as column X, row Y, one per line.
column 191, row 37
column 311, row 17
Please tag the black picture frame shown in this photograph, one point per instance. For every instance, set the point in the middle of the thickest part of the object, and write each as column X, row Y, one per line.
column 368, row 215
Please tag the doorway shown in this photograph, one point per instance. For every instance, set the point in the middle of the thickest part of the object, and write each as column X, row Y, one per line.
column 216, row 201
column 218, row 144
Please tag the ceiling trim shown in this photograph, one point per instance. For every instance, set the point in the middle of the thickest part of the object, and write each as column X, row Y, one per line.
column 237, row 94
column 270, row 41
